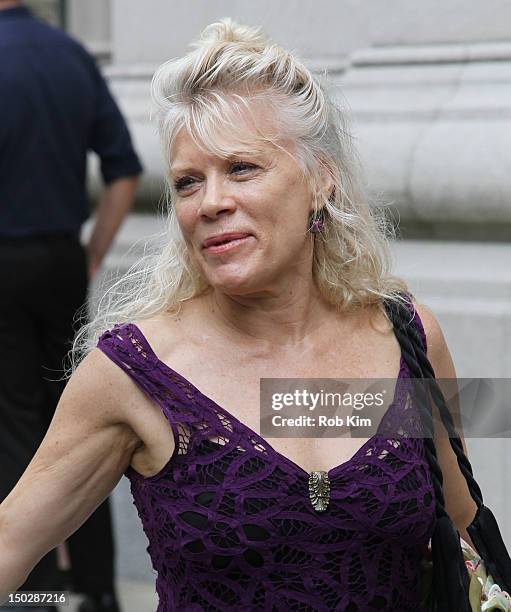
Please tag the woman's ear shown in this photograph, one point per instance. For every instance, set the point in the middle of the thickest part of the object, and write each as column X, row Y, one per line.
column 327, row 185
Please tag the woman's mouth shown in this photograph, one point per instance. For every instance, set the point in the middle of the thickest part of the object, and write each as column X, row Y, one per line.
column 228, row 245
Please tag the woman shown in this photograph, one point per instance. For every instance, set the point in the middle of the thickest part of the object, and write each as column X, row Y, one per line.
column 274, row 266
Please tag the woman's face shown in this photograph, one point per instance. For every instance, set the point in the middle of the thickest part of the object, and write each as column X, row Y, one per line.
column 260, row 195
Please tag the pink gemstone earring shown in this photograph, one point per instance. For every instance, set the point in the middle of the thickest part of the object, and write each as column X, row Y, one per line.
column 317, row 226
column 317, row 223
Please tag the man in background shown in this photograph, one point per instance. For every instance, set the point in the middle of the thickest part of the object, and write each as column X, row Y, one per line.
column 54, row 107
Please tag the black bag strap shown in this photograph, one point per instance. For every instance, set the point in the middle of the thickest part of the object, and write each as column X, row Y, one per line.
column 450, row 577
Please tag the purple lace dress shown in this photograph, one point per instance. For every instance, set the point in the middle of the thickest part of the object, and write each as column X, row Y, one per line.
column 230, row 523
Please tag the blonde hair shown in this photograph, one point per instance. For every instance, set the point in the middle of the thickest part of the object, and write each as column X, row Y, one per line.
column 229, row 68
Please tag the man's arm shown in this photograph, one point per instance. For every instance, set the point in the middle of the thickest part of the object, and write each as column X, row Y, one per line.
column 120, row 166
column 114, row 203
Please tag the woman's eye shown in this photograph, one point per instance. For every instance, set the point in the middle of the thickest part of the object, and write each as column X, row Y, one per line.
column 242, row 166
column 183, row 183
column 188, row 181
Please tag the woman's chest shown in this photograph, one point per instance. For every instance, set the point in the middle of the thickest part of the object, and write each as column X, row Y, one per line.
column 233, row 381
column 226, row 378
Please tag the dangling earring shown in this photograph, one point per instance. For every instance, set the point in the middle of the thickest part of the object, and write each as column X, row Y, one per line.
column 317, row 222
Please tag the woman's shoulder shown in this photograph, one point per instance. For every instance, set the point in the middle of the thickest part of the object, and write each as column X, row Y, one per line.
column 437, row 349
column 166, row 330
column 107, row 383
column 100, row 386
column 426, row 320
column 155, row 330
column 105, row 366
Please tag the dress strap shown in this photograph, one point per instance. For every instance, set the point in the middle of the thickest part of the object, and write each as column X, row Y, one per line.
column 126, row 346
column 122, row 348
column 129, row 350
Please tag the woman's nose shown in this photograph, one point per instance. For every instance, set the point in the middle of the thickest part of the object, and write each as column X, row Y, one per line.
column 215, row 198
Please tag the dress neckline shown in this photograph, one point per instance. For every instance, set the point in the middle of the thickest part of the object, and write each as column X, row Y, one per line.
column 254, row 436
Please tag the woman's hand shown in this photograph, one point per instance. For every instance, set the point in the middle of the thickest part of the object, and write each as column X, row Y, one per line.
column 80, row 460
column 459, row 504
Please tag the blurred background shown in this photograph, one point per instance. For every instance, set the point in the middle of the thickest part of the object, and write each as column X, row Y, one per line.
column 428, row 89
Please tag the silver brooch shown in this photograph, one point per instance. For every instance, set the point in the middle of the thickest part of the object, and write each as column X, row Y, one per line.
column 319, row 490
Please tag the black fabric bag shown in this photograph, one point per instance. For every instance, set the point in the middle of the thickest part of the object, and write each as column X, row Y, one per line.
column 450, row 582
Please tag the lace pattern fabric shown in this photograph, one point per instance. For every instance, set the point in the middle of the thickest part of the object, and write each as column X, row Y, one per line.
column 230, row 523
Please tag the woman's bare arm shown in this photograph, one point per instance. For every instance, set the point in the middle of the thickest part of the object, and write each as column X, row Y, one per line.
column 459, row 504
column 80, row 460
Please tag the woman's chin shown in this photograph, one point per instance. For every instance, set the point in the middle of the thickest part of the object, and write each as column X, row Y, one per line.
column 233, row 288
column 230, row 278
column 233, row 285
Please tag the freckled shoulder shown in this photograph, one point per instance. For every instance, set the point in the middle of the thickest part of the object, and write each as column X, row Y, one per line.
column 162, row 329
column 437, row 349
column 378, row 319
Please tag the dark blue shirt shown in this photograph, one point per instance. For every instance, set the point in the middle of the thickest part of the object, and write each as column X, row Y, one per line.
column 54, row 106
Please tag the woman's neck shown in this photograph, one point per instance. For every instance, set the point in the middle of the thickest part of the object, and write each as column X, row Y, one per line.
column 284, row 320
